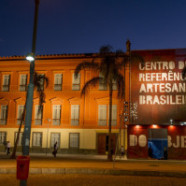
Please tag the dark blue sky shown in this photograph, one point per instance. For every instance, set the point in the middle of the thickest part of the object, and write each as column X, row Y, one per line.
column 82, row 26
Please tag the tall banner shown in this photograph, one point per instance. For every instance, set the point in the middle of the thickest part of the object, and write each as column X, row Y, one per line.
column 158, row 90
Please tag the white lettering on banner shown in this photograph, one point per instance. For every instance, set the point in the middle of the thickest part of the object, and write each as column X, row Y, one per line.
column 180, row 142
column 134, row 140
column 142, row 140
column 163, row 87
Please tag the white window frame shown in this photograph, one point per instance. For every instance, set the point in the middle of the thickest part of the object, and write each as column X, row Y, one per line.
column 20, row 140
column 102, row 115
column 53, row 138
column 6, row 83
column 58, row 80
column 76, row 82
column 74, row 139
column 75, row 110
column 38, row 115
column 23, row 82
column 20, row 110
column 56, row 114
column 3, row 136
column 4, row 114
column 37, row 139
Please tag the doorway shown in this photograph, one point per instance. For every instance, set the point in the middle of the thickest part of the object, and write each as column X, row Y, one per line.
column 103, row 143
column 157, row 143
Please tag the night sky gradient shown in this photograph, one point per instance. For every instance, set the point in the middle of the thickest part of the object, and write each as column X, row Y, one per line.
column 83, row 26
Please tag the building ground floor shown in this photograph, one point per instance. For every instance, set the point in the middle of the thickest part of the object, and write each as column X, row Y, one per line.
column 157, row 142
column 138, row 141
column 85, row 141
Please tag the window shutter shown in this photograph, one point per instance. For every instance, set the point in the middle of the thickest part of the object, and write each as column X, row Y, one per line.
column 75, row 115
column 58, row 82
column 56, row 114
column 20, row 113
column 102, row 115
column 4, row 110
column 75, row 82
column 114, row 115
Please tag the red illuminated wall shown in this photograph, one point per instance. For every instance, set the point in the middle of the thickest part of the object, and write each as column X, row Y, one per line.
column 158, row 92
column 138, row 141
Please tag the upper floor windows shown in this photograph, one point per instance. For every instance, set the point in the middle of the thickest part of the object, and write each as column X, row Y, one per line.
column 20, row 112
column 6, row 83
column 23, row 82
column 76, row 82
column 58, row 82
column 103, row 86
column 38, row 114
column 103, row 117
column 3, row 114
column 56, row 118
column 74, row 115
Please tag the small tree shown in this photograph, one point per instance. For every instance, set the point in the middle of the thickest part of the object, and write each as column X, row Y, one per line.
column 39, row 81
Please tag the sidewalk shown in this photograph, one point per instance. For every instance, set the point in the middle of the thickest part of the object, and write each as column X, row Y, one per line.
column 95, row 164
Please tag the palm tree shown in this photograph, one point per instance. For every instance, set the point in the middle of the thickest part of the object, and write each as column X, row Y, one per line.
column 39, row 81
column 110, row 70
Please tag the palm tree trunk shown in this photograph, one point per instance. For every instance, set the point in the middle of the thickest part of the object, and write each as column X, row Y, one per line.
column 110, row 149
column 13, row 156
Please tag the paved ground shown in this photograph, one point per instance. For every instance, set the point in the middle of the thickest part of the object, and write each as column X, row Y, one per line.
column 92, row 180
column 87, row 164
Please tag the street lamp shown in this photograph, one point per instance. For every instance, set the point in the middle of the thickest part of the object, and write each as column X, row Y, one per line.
column 30, row 57
column 30, row 91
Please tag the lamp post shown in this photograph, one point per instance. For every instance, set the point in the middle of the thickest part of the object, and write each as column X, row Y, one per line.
column 29, row 103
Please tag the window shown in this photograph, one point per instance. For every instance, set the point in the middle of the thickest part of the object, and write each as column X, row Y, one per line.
column 74, row 140
column 20, row 140
column 38, row 114
column 56, row 114
column 74, row 115
column 23, row 82
column 6, row 83
column 2, row 138
column 58, row 82
column 37, row 139
column 114, row 115
column 76, row 82
column 102, row 85
column 102, row 115
column 55, row 137
column 20, row 113
column 4, row 112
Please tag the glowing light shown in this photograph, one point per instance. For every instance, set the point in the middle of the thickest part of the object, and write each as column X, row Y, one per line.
column 154, row 126
column 137, row 126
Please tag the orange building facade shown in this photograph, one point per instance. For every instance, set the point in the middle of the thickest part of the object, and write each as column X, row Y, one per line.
column 78, row 123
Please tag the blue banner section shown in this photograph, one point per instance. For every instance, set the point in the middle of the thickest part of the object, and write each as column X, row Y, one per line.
column 158, row 148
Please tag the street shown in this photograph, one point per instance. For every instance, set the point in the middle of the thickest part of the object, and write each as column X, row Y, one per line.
column 91, row 180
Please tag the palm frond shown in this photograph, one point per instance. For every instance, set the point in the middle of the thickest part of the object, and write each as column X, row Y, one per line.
column 38, row 78
column 120, row 86
column 184, row 73
column 86, row 65
column 136, row 57
column 93, row 82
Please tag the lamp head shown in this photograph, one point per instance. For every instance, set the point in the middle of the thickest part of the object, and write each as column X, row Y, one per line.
column 30, row 57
